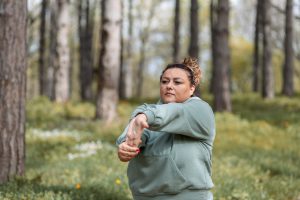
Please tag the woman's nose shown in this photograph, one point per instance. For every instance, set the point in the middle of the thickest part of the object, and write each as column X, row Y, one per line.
column 170, row 85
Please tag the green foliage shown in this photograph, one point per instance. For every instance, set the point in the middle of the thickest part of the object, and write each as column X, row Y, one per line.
column 241, row 63
column 72, row 156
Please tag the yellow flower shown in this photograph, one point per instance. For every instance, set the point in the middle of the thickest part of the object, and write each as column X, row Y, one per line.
column 118, row 181
column 77, row 186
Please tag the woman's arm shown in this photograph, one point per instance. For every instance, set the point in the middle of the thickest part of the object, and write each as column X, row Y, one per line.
column 193, row 118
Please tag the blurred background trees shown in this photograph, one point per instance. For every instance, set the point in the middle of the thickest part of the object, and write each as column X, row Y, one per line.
column 245, row 47
column 101, row 51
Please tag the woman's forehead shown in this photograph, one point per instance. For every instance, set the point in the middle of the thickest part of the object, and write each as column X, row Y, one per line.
column 175, row 73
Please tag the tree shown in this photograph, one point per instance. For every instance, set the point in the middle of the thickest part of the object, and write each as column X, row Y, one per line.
column 220, row 55
column 176, row 39
column 12, row 88
column 125, row 86
column 256, row 57
column 53, row 58
column 267, row 70
column 62, row 72
column 42, row 48
column 194, row 29
column 144, row 33
column 109, row 64
column 194, row 32
column 85, row 42
column 288, row 66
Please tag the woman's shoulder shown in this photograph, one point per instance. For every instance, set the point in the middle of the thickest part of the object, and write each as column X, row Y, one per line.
column 196, row 100
column 197, row 104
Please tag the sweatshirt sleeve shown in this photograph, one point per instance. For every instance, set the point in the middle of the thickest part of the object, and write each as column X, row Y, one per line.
column 193, row 118
column 122, row 137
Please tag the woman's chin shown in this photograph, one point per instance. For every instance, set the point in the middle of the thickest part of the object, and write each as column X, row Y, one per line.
column 169, row 100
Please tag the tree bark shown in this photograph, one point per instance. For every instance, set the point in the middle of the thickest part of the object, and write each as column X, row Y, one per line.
column 176, row 39
column 109, row 66
column 125, row 87
column 194, row 30
column 86, row 60
column 221, row 57
column 140, row 75
column 267, row 70
column 256, row 53
column 288, row 66
column 53, row 57
column 13, row 16
column 62, row 73
column 42, row 47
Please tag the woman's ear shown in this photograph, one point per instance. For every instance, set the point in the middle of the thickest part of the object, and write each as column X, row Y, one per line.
column 192, row 90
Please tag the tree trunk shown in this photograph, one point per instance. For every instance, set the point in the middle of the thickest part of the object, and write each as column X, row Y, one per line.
column 176, row 40
column 13, row 16
column 53, row 62
column 194, row 28
column 125, row 87
column 194, row 32
column 42, row 47
column 109, row 66
column 288, row 67
column 221, row 58
column 144, row 36
column 86, row 59
column 140, row 75
column 256, row 53
column 267, row 71
column 62, row 73
column 212, row 19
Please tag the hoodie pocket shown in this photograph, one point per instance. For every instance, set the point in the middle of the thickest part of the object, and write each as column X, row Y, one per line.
column 154, row 175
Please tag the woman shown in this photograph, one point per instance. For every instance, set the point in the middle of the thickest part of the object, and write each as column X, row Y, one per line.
column 169, row 144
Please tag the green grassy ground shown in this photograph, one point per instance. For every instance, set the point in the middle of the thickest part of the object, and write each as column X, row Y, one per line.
column 71, row 156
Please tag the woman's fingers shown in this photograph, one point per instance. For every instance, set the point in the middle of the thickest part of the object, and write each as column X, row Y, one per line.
column 126, row 152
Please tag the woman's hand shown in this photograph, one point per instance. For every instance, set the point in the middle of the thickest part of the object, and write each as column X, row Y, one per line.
column 135, row 130
column 126, row 152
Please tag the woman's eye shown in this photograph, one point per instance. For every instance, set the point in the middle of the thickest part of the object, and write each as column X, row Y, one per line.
column 164, row 81
column 177, row 82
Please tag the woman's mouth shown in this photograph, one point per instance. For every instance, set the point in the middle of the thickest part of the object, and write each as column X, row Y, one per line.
column 169, row 94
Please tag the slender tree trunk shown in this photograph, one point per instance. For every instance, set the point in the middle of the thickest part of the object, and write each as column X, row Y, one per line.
column 125, row 87
column 141, row 67
column 267, row 70
column 213, row 21
column 13, row 17
column 288, row 67
column 86, row 59
column 62, row 74
column 194, row 30
column 256, row 57
column 221, row 59
column 42, row 65
column 53, row 62
column 144, row 35
column 108, row 80
column 176, row 40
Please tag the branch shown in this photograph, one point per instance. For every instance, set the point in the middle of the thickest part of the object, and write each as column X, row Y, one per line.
column 282, row 11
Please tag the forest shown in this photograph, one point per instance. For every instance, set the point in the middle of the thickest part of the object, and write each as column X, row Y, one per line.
column 72, row 72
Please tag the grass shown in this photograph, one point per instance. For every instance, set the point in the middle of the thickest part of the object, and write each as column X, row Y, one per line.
column 71, row 156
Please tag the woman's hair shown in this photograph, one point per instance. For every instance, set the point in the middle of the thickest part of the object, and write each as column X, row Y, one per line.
column 191, row 66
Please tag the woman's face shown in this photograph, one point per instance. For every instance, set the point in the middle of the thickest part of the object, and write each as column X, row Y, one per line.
column 175, row 86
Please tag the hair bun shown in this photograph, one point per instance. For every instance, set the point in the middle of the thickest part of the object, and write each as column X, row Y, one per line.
column 192, row 63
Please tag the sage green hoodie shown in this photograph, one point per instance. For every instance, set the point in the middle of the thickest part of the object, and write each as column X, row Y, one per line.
column 176, row 152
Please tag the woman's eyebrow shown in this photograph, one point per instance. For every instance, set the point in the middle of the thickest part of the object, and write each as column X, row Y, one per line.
column 177, row 78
